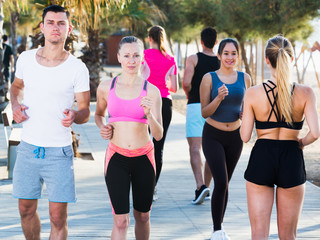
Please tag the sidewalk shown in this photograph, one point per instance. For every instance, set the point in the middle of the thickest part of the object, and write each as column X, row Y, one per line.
column 172, row 216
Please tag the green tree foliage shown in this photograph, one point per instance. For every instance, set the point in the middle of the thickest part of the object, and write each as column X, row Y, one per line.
column 175, row 17
column 248, row 19
column 287, row 17
column 136, row 16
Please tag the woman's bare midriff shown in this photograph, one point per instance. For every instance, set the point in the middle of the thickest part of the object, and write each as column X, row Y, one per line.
column 228, row 127
column 278, row 134
column 130, row 135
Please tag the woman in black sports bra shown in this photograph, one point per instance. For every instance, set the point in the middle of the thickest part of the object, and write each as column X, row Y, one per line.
column 278, row 108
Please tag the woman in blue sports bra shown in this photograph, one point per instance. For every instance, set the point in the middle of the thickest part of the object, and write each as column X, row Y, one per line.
column 134, row 106
column 221, row 96
column 278, row 108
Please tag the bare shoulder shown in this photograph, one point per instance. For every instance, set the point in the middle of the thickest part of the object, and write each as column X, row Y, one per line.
column 192, row 59
column 104, row 86
column 303, row 91
column 153, row 91
column 207, row 78
column 301, row 88
column 254, row 92
column 247, row 80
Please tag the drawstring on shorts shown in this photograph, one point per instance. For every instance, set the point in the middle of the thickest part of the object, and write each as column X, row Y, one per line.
column 37, row 152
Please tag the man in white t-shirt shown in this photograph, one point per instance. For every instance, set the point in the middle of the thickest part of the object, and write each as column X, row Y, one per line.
column 49, row 79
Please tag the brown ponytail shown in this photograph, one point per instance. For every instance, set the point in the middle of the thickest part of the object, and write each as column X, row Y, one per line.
column 158, row 35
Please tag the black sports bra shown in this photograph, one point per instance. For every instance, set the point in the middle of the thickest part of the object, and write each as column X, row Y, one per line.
column 280, row 123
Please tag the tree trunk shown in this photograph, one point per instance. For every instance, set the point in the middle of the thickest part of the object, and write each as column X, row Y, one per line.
column 23, row 45
column 256, row 63
column 197, row 44
column 296, row 63
column 91, row 57
column 185, row 55
column 1, row 33
column 14, row 17
column 170, row 43
column 244, row 57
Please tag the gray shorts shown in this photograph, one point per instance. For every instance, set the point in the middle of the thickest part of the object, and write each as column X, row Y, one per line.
column 51, row 165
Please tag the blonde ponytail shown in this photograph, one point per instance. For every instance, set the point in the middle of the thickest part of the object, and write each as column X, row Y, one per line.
column 279, row 51
column 283, row 74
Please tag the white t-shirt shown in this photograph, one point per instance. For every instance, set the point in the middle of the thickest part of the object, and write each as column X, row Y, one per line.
column 48, row 91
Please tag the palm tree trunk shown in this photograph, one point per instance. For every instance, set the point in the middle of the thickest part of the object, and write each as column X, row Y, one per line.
column 91, row 57
column 14, row 17
column 1, row 33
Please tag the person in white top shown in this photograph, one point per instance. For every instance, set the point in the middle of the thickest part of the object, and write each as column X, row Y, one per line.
column 49, row 79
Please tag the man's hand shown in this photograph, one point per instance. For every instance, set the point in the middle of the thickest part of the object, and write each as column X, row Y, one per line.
column 19, row 114
column 70, row 115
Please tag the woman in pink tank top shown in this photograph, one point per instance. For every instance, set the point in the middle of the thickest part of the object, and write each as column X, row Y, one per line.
column 134, row 107
column 160, row 69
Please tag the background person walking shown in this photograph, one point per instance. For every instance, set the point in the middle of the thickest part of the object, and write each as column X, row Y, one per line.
column 160, row 69
column 197, row 66
column 8, row 60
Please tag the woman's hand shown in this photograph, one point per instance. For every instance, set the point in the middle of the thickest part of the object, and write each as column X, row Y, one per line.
column 301, row 143
column 106, row 131
column 146, row 103
column 222, row 92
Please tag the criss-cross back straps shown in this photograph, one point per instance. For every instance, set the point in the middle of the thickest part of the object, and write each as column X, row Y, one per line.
column 274, row 106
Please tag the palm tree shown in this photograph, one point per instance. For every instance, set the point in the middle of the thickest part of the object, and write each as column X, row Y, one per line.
column 137, row 16
column 15, row 8
column 88, row 14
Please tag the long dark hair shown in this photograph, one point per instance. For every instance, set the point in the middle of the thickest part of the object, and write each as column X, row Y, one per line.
column 158, row 35
column 224, row 42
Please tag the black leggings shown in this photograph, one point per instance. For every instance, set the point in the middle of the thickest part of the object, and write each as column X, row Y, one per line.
column 158, row 145
column 222, row 150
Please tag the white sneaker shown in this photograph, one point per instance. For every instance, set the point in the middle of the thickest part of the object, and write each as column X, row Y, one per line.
column 226, row 237
column 219, row 235
column 208, row 197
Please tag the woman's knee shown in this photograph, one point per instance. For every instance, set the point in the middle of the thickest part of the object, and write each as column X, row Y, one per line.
column 121, row 222
column 142, row 217
column 287, row 234
column 259, row 235
column 221, row 187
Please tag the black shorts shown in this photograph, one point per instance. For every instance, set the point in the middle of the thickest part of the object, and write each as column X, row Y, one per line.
column 276, row 162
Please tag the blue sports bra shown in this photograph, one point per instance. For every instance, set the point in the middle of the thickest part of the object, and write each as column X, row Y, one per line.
column 229, row 109
column 280, row 123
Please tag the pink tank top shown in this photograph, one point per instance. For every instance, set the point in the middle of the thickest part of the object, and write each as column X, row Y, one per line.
column 126, row 110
